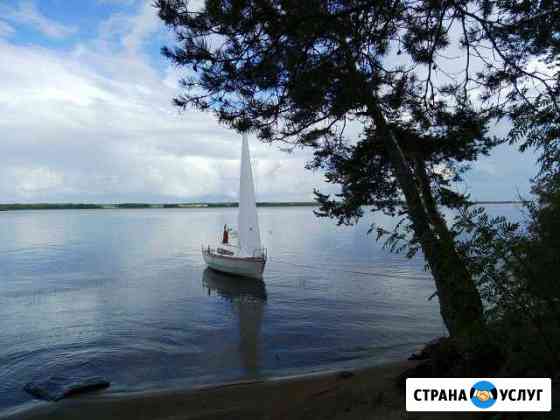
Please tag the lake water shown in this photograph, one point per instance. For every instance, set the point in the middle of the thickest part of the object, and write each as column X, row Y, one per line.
column 125, row 294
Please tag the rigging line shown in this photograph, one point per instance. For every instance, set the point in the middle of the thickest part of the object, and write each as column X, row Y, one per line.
column 363, row 273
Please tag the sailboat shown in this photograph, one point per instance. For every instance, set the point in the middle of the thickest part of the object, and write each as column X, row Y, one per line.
column 246, row 258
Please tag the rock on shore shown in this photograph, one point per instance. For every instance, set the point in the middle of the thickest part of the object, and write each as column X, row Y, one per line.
column 56, row 388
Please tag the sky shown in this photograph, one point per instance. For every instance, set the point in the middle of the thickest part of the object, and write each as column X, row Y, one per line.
column 86, row 116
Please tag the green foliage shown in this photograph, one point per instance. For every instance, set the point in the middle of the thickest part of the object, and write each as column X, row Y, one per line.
column 516, row 268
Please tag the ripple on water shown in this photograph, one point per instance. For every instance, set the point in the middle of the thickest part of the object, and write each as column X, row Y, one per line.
column 124, row 295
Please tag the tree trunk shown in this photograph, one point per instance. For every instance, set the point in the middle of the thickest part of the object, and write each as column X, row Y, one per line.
column 461, row 284
column 460, row 304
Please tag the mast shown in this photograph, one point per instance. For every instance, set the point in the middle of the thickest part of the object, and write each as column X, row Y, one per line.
column 248, row 222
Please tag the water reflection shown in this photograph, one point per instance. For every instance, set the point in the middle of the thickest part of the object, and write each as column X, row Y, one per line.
column 75, row 297
column 248, row 299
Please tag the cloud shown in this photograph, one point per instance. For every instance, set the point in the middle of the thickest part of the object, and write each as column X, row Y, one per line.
column 142, row 25
column 26, row 13
column 96, row 124
column 130, row 32
column 33, row 180
column 5, row 29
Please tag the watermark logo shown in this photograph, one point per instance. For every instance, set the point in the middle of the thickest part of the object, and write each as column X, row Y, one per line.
column 479, row 394
column 484, row 394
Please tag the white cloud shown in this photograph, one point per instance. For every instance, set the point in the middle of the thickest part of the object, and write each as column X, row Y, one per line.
column 26, row 13
column 5, row 29
column 30, row 181
column 129, row 32
column 142, row 25
column 97, row 124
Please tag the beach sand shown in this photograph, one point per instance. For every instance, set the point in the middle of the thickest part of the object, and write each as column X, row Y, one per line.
column 370, row 393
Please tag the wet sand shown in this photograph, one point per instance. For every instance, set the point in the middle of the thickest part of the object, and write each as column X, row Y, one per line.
column 370, row 393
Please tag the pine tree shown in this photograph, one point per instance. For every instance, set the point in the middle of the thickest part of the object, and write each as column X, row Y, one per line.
column 300, row 72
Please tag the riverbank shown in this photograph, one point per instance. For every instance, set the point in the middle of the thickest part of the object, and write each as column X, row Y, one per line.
column 370, row 393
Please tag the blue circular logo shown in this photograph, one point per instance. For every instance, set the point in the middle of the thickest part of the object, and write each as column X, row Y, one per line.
column 484, row 394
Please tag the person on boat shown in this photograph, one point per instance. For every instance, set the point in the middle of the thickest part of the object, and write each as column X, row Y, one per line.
column 225, row 239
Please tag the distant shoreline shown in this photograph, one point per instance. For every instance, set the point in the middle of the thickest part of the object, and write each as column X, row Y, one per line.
column 92, row 206
column 83, row 206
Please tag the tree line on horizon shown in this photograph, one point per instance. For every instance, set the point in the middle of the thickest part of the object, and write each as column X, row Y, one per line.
column 92, row 206
column 425, row 82
column 82, row 206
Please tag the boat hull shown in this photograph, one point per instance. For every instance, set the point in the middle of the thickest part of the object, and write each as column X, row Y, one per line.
column 239, row 266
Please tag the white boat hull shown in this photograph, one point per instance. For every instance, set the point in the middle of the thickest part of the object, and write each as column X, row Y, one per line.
column 252, row 267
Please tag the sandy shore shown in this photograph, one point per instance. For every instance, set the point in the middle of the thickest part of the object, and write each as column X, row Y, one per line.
column 370, row 393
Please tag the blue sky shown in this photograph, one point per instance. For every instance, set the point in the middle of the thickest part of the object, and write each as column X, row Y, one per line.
column 86, row 116
column 63, row 22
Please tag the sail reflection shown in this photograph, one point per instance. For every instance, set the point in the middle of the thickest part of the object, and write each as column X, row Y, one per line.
column 248, row 298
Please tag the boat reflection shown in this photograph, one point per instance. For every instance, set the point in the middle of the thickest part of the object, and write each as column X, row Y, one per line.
column 248, row 299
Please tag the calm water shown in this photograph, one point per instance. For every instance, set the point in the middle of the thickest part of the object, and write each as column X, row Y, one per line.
column 124, row 294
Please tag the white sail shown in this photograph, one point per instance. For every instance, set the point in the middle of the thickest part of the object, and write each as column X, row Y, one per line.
column 247, row 223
